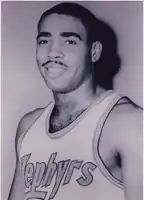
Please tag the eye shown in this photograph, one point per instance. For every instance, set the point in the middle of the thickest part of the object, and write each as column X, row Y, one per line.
column 42, row 41
column 72, row 42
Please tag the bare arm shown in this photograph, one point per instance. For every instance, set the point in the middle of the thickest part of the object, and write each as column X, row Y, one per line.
column 17, row 188
column 122, row 135
column 130, row 148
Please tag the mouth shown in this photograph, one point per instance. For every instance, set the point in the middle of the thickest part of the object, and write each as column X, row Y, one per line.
column 54, row 63
column 54, row 69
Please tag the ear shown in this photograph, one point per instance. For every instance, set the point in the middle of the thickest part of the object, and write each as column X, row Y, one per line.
column 96, row 51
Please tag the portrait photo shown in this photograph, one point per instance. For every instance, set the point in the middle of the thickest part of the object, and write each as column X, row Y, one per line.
column 72, row 100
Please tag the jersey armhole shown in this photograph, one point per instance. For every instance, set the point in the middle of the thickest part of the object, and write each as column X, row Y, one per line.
column 19, row 142
column 96, row 139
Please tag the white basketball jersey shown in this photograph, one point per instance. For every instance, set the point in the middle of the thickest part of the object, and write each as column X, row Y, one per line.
column 66, row 165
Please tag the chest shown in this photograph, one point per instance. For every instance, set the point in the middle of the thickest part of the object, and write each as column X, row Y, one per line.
column 60, row 120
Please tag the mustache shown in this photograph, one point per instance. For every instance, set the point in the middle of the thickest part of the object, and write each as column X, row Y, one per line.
column 54, row 61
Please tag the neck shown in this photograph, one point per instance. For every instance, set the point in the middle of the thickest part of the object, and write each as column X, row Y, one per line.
column 78, row 99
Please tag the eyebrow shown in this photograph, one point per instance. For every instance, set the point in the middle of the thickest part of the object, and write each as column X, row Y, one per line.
column 71, row 34
column 43, row 34
column 63, row 34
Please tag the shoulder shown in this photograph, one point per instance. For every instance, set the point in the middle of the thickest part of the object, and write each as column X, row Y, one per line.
column 128, row 117
column 27, row 121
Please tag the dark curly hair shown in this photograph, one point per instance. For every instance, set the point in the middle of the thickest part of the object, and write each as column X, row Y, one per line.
column 109, row 63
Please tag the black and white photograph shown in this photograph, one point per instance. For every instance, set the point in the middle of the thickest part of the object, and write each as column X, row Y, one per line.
column 72, row 100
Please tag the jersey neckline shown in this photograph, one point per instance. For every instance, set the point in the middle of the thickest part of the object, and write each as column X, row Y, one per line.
column 62, row 132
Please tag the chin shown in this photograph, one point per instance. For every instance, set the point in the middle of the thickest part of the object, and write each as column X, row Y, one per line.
column 59, row 88
column 62, row 85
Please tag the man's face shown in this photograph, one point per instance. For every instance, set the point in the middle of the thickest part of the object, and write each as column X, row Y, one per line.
column 62, row 53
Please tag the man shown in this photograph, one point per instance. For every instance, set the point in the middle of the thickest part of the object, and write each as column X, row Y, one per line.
column 87, row 144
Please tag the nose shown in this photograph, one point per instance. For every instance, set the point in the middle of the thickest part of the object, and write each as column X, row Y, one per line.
column 55, row 51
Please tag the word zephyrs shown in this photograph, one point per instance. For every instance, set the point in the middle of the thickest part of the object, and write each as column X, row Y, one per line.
column 40, row 176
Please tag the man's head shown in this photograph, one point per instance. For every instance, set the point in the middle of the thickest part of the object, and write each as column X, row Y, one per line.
column 69, row 42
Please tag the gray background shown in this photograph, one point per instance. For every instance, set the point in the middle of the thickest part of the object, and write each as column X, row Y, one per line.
column 22, row 86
